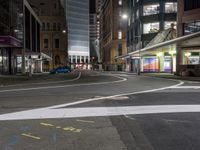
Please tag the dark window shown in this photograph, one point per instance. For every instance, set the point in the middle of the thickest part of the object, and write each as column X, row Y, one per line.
column 27, row 28
column 191, row 4
column 43, row 26
column 58, row 26
column 48, row 27
column 54, row 26
column 34, row 41
column 57, row 43
column 46, row 43
column 57, row 60
column 119, row 49
column 38, row 37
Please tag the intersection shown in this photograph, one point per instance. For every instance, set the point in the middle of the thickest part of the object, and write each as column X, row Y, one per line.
column 102, row 111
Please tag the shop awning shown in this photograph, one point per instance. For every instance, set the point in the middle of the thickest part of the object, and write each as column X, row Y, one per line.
column 45, row 56
column 9, row 41
column 166, row 43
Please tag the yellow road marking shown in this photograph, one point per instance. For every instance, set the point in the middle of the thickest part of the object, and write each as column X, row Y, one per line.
column 58, row 127
column 47, row 125
column 85, row 121
column 72, row 129
column 31, row 136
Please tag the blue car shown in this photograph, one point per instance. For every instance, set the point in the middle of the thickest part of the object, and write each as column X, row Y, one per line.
column 64, row 69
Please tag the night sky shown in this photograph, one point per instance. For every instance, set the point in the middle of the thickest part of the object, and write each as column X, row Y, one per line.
column 92, row 6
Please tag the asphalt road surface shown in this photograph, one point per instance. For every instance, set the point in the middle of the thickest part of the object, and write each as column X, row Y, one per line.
column 101, row 111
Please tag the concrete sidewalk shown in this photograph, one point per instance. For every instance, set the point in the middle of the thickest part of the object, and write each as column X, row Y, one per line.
column 36, row 78
column 171, row 76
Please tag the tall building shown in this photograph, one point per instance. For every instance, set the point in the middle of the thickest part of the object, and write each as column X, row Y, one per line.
column 98, row 11
column 19, row 38
column 188, row 56
column 147, row 19
column 53, row 33
column 77, row 13
column 113, row 34
column 93, row 35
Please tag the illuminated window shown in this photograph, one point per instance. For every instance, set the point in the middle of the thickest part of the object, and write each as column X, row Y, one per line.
column 171, row 7
column 151, row 9
column 169, row 23
column 151, row 27
column 119, row 35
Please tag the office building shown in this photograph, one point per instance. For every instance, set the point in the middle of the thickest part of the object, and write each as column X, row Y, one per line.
column 53, row 33
column 113, row 34
column 77, row 14
column 188, row 52
column 19, row 38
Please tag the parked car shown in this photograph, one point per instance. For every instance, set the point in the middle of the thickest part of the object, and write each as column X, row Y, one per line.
column 64, row 69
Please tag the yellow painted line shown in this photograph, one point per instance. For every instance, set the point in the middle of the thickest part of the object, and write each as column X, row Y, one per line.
column 47, row 124
column 31, row 136
column 72, row 129
column 85, row 121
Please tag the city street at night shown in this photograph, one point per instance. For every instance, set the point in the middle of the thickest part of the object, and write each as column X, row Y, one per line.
column 99, row 75
column 101, row 111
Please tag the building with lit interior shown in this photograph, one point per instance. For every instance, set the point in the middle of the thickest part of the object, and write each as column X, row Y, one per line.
column 174, row 51
column 53, row 33
column 188, row 52
column 146, row 20
column 19, row 38
column 113, row 34
column 77, row 13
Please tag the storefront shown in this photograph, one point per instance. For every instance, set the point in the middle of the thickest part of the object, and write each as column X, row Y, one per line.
column 162, row 57
column 8, row 44
column 4, row 61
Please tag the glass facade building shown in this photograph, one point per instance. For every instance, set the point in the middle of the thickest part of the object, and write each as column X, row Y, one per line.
column 19, row 36
column 77, row 13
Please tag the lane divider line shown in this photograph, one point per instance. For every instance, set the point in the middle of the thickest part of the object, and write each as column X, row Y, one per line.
column 85, row 121
column 113, row 96
column 64, row 86
column 46, row 124
column 30, row 136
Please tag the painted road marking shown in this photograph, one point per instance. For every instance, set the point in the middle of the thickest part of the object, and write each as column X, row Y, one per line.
column 65, row 86
column 77, row 78
column 85, row 121
column 30, row 136
column 114, row 96
column 119, row 98
column 72, row 129
column 187, row 87
column 46, row 124
column 100, row 112
column 56, row 112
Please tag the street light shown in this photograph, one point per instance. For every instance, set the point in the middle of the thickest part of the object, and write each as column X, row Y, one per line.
column 125, row 16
